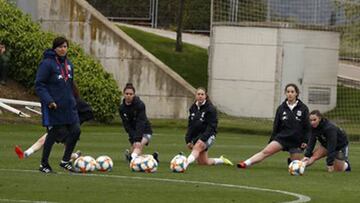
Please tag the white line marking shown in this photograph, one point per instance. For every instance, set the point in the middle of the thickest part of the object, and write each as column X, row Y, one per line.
column 24, row 201
column 300, row 198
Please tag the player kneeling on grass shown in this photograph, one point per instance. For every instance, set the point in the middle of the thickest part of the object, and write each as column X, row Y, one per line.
column 133, row 115
column 290, row 131
column 201, row 131
column 85, row 113
column 333, row 144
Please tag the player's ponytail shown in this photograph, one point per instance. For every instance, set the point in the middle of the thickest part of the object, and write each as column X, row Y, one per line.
column 317, row 113
column 129, row 86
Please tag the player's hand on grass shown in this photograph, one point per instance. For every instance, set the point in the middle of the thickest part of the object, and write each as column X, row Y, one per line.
column 305, row 159
column 190, row 145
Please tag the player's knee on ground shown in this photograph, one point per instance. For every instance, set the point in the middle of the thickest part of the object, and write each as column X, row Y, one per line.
column 199, row 146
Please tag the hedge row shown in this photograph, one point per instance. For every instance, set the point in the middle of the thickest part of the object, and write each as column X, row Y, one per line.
column 27, row 42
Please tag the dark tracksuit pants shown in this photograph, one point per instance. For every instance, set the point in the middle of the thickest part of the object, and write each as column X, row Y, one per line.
column 67, row 134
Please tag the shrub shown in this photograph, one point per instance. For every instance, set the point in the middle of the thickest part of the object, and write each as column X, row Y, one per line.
column 27, row 42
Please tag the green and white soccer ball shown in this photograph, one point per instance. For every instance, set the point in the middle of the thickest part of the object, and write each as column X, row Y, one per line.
column 85, row 164
column 104, row 163
column 297, row 168
column 178, row 164
column 144, row 163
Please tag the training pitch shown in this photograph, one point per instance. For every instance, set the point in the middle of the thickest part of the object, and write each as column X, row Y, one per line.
column 266, row 182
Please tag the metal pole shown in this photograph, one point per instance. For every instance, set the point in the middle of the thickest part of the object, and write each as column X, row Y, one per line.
column 156, row 12
column 236, row 9
column 210, row 48
column 150, row 9
column 20, row 102
column 13, row 110
column 268, row 16
column 315, row 11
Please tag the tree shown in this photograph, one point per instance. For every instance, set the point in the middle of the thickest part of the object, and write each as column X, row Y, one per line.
column 179, row 26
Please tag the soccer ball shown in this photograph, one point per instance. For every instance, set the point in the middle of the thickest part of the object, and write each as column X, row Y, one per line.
column 104, row 163
column 148, row 164
column 178, row 163
column 135, row 164
column 297, row 168
column 85, row 164
column 144, row 163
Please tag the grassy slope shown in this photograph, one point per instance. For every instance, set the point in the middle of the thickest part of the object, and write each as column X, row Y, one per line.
column 191, row 64
column 120, row 186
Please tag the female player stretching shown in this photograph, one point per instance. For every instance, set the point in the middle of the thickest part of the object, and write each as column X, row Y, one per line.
column 136, row 124
column 290, row 131
column 201, row 132
column 333, row 144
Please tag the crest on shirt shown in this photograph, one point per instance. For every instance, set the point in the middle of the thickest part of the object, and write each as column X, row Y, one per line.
column 192, row 116
column 298, row 113
column 202, row 116
column 60, row 77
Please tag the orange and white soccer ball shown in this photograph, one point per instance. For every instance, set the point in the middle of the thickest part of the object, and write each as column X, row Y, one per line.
column 104, row 163
column 85, row 164
column 144, row 163
column 178, row 164
column 297, row 168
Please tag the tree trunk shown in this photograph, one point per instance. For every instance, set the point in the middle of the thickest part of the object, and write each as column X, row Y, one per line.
column 179, row 27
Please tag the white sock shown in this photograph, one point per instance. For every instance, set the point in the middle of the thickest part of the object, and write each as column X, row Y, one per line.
column 346, row 165
column 74, row 156
column 190, row 159
column 28, row 152
column 218, row 161
column 247, row 162
column 134, row 155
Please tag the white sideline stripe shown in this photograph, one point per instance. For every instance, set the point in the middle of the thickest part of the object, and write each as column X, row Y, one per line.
column 301, row 198
column 25, row 201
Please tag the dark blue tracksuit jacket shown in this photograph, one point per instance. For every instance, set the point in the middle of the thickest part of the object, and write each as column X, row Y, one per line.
column 50, row 86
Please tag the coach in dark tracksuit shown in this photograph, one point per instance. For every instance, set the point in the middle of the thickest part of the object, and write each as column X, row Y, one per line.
column 54, row 86
column 133, row 115
column 334, row 144
column 291, row 129
column 201, row 131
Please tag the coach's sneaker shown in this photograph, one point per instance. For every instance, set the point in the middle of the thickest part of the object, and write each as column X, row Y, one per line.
column 67, row 166
column 156, row 156
column 19, row 152
column 127, row 155
column 241, row 164
column 226, row 161
column 45, row 169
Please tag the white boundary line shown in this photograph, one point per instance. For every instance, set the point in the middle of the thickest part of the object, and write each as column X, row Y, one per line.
column 23, row 201
column 301, row 198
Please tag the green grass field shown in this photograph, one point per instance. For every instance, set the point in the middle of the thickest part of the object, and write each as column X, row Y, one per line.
column 191, row 64
column 20, row 180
